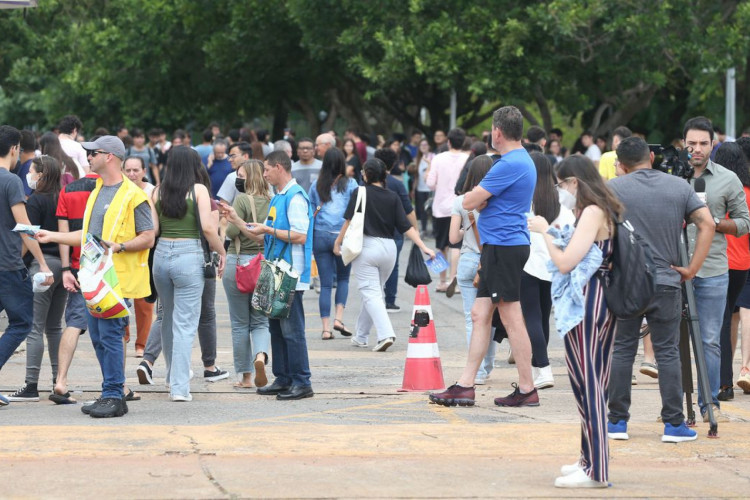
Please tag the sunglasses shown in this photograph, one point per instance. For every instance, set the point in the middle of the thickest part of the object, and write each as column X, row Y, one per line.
column 94, row 153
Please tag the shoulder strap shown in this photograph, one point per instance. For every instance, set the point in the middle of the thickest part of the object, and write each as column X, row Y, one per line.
column 474, row 228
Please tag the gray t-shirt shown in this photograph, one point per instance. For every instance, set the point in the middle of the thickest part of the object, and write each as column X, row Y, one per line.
column 11, row 193
column 306, row 174
column 656, row 204
column 143, row 221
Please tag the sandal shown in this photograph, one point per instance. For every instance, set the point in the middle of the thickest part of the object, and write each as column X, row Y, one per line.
column 451, row 289
column 341, row 329
column 442, row 288
column 327, row 337
column 132, row 396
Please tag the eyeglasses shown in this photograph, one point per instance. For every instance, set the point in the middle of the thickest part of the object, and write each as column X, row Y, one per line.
column 559, row 184
column 94, row 153
column 231, row 156
column 305, row 148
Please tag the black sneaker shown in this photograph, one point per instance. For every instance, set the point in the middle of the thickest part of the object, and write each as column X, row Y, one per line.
column 90, row 405
column 110, row 407
column 725, row 394
column 26, row 393
column 216, row 375
column 145, row 374
column 392, row 308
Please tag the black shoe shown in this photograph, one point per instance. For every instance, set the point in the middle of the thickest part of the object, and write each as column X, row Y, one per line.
column 28, row 392
column 216, row 375
column 110, row 407
column 87, row 407
column 296, row 392
column 145, row 374
column 392, row 308
column 273, row 389
column 725, row 394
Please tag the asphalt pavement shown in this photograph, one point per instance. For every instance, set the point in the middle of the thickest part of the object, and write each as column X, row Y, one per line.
column 358, row 437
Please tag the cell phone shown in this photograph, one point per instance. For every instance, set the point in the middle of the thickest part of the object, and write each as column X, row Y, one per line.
column 99, row 240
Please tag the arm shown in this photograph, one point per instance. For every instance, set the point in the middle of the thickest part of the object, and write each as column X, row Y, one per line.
column 476, row 198
column 738, row 223
column 456, row 233
column 69, row 281
column 705, row 225
column 340, row 238
column 155, row 174
column 584, row 236
column 413, row 235
column 21, row 217
column 209, row 221
column 240, row 226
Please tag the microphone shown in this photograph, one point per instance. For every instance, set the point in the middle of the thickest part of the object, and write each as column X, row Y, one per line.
column 700, row 188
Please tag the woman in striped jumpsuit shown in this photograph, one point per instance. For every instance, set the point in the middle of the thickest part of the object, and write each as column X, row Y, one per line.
column 588, row 346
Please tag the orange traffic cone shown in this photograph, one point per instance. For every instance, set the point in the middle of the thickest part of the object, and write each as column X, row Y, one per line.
column 423, row 370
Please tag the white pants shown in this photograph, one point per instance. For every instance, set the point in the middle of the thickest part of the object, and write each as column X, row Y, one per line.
column 371, row 269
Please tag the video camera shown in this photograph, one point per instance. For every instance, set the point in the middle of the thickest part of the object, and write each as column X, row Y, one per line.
column 671, row 160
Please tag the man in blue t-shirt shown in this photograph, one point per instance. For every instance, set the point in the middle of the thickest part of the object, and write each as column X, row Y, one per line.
column 218, row 165
column 504, row 198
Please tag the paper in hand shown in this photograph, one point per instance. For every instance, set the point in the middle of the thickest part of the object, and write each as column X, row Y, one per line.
column 27, row 229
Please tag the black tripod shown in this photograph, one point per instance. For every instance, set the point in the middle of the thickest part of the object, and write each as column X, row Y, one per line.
column 690, row 330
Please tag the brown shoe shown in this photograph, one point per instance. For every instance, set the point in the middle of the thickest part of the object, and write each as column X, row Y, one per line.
column 516, row 398
column 454, row 395
column 718, row 415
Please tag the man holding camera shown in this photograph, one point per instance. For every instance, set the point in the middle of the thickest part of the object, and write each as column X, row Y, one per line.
column 721, row 190
column 656, row 205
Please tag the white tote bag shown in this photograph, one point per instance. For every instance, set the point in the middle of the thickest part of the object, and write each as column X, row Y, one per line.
column 351, row 247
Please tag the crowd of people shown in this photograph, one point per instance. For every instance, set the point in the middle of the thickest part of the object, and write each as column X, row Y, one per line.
column 525, row 226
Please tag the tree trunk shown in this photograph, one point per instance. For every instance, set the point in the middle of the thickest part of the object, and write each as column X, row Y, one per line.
column 280, row 117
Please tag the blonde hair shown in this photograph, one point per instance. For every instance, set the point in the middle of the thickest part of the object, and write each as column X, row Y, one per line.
column 255, row 184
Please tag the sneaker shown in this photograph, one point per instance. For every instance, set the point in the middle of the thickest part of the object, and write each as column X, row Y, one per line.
column 480, row 380
column 678, row 433
column 90, row 405
column 543, row 378
column 517, row 398
column 650, row 369
column 454, row 395
column 634, row 381
column 744, row 383
column 392, row 308
column 720, row 417
column 182, row 399
column 109, row 407
column 216, row 375
column 618, row 430
column 579, row 479
column 358, row 343
column 726, row 394
column 567, row 470
column 4, row 401
column 26, row 393
column 384, row 344
column 145, row 374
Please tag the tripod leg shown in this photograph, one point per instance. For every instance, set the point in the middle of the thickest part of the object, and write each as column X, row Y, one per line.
column 687, row 373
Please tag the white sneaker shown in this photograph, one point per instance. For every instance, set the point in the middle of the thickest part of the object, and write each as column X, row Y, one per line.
column 182, row 399
column 543, row 378
column 358, row 343
column 567, row 470
column 578, row 479
column 480, row 380
column 384, row 344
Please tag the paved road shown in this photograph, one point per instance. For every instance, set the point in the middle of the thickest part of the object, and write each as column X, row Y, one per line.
column 358, row 437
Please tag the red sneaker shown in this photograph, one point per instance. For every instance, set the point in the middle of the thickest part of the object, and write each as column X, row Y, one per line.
column 454, row 395
column 516, row 398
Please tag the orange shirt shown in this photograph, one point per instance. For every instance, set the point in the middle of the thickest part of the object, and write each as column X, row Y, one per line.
column 738, row 249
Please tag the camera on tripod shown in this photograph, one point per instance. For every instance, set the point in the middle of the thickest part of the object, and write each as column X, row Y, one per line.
column 671, row 160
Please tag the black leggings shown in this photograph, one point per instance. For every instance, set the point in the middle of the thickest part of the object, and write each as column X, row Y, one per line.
column 737, row 281
column 420, row 197
column 536, row 304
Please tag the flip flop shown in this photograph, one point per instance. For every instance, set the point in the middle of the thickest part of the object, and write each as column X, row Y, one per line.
column 132, row 396
column 342, row 329
column 62, row 399
column 451, row 289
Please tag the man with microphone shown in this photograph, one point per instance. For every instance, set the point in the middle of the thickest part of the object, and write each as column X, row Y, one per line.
column 722, row 192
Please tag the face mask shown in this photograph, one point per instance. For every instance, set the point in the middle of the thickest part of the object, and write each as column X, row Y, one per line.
column 30, row 181
column 239, row 184
column 566, row 199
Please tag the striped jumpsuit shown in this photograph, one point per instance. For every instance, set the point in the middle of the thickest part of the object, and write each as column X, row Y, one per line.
column 588, row 353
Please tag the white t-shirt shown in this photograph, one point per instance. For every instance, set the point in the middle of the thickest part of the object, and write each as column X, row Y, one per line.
column 75, row 151
column 539, row 256
column 470, row 241
column 594, row 153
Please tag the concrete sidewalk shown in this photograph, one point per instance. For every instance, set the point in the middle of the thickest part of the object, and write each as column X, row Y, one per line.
column 358, row 437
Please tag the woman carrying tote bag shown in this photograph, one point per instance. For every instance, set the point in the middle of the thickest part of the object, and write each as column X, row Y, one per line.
column 374, row 264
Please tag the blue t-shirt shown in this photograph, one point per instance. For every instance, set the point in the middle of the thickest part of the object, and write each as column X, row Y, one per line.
column 511, row 181
column 21, row 172
column 218, row 172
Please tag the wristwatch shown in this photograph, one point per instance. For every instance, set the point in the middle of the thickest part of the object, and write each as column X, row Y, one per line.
column 122, row 247
column 716, row 221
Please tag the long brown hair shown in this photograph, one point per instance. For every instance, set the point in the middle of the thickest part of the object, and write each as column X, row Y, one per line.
column 478, row 168
column 49, row 143
column 49, row 175
column 546, row 201
column 591, row 187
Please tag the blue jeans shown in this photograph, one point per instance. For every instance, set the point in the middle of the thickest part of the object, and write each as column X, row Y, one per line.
column 17, row 298
column 250, row 335
column 329, row 265
column 468, row 263
column 391, row 285
column 107, row 335
column 178, row 276
column 290, row 363
column 711, row 298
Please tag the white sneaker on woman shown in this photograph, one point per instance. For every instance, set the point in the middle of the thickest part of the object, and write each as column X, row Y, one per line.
column 543, row 378
column 578, row 479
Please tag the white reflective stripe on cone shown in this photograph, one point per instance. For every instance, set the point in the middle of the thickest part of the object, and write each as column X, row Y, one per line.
column 422, row 308
column 416, row 350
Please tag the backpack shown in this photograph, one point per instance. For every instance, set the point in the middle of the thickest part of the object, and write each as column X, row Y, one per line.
column 631, row 283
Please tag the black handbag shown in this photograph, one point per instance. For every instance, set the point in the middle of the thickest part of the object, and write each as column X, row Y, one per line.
column 209, row 261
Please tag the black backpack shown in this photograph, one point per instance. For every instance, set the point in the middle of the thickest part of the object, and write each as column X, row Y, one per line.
column 631, row 283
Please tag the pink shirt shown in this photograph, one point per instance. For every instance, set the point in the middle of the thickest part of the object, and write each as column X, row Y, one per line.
column 444, row 172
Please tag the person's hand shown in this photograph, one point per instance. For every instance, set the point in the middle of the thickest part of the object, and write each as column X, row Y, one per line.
column 228, row 212
column 685, row 273
column 69, row 282
column 49, row 277
column 337, row 249
column 538, row 224
column 222, row 264
column 429, row 252
column 44, row 236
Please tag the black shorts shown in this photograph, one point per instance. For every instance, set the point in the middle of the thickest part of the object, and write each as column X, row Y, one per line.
column 500, row 272
column 442, row 227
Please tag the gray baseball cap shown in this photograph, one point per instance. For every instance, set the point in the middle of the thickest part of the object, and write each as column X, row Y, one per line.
column 107, row 143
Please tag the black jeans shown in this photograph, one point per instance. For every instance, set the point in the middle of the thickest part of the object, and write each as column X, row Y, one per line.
column 737, row 281
column 536, row 304
column 663, row 315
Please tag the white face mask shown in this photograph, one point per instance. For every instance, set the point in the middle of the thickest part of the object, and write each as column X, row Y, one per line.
column 30, row 180
column 566, row 199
